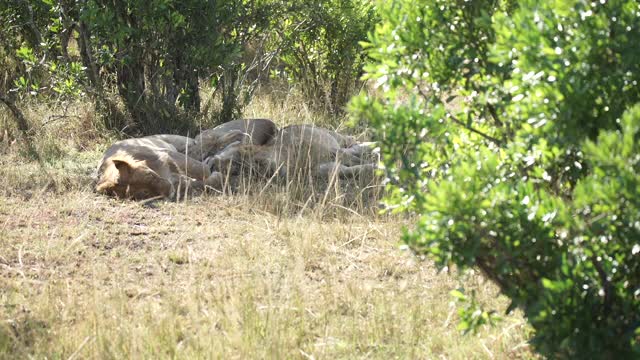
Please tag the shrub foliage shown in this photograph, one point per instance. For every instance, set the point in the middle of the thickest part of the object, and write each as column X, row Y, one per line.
column 155, row 56
column 511, row 129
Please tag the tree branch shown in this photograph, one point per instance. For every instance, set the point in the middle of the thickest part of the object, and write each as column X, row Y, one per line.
column 23, row 126
column 84, row 40
column 494, row 114
column 457, row 121
column 31, row 24
column 21, row 121
column 606, row 284
column 473, row 130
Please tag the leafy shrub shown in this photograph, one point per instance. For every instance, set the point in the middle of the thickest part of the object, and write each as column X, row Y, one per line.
column 502, row 126
column 156, row 54
column 159, row 51
column 34, row 44
column 153, row 53
column 318, row 48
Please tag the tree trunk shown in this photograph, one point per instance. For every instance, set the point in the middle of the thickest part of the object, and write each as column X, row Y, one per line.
column 36, row 38
column 22, row 124
column 21, row 121
column 186, row 80
column 85, row 54
column 229, row 95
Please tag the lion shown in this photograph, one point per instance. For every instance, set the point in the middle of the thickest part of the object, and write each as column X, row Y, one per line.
column 152, row 166
column 181, row 143
column 297, row 149
column 250, row 131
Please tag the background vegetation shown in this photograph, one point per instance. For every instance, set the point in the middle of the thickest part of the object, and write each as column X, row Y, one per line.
column 155, row 58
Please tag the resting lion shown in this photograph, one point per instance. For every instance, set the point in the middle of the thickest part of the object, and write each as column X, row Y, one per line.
column 152, row 166
column 249, row 131
column 297, row 149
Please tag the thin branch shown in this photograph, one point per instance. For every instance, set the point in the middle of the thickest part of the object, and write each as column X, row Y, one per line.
column 489, row 273
column 473, row 130
column 492, row 109
column 606, row 284
column 457, row 121
column 494, row 114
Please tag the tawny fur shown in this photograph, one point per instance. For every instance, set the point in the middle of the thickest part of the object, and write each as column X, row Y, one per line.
column 249, row 131
column 151, row 166
column 297, row 148
column 181, row 143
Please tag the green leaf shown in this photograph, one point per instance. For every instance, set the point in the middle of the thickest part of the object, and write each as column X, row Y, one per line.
column 458, row 295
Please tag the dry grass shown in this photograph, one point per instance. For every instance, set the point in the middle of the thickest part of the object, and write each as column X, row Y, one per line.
column 251, row 275
column 286, row 108
column 215, row 278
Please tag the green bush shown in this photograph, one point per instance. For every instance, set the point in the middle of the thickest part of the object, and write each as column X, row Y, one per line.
column 511, row 129
column 157, row 54
column 33, row 45
column 318, row 47
column 153, row 54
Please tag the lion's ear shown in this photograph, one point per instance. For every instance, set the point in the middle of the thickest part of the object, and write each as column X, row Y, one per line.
column 124, row 170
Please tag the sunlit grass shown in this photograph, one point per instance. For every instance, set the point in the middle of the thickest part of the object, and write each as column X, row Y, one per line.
column 216, row 277
column 260, row 273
